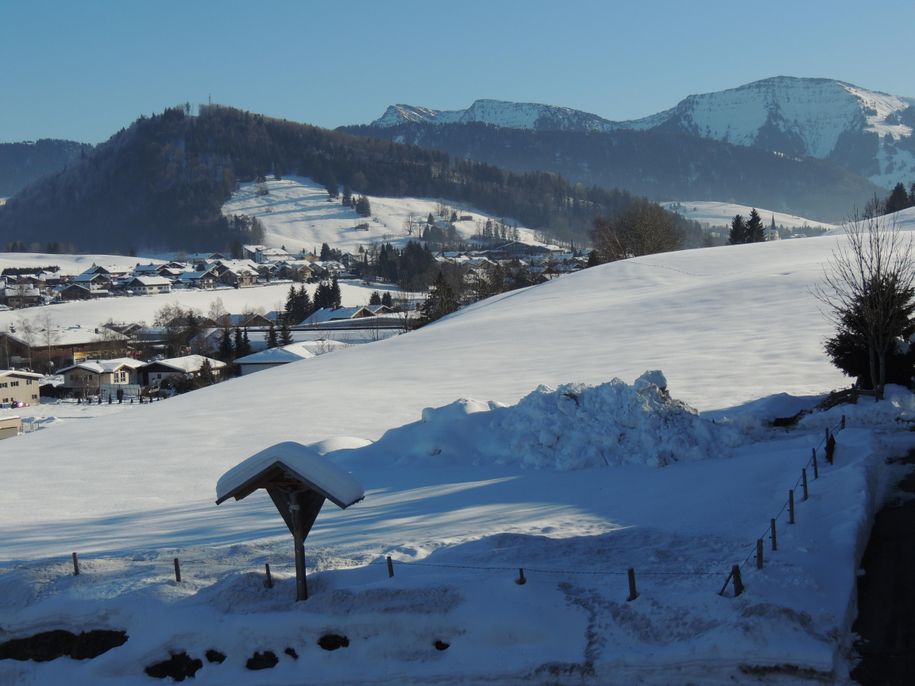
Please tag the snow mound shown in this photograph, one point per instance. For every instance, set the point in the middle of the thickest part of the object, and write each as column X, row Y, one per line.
column 574, row 426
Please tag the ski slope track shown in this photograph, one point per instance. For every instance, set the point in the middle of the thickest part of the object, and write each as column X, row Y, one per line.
column 476, row 461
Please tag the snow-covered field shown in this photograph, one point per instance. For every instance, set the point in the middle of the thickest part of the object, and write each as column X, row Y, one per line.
column 296, row 213
column 143, row 308
column 70, row 264
column 566, row 484
column 719, row 214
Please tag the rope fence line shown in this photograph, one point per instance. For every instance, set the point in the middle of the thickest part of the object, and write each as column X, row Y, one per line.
column 756, row 548
column 734, row 574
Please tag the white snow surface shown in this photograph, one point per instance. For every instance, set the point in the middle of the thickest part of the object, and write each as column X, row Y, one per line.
column 296, row 214
column 305, row 462
column 719, row 214
column 72, row 264
column 574, row 426
column 737, row 335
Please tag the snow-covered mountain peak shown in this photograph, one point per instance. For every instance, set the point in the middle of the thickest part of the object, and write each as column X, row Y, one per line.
column 866, row 131
column 501, row 113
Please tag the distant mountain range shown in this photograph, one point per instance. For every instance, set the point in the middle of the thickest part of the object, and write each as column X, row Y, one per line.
column 867, row 132
column 23, row 163
column 813, row 147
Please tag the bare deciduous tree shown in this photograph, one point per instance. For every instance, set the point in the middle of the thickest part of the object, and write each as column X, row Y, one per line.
column 869, row 287
column 643, row 228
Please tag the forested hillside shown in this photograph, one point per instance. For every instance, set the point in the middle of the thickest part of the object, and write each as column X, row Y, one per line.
column 663, row 164
column 161, row 183
column 24, row 163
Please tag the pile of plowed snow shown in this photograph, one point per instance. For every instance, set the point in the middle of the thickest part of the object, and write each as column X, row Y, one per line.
column 573, row 426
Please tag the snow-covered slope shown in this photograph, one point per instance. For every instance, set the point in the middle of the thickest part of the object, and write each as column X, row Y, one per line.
column 719, row 214
column 683, row 312
column 296, row 214
column 867, row 131
column 460, row 509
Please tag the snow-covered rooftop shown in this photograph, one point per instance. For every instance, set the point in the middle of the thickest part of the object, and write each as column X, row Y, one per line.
column 287, row 353
column 331, row 481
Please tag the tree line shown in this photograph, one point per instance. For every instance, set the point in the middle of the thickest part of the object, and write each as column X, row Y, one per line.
column 161, row 183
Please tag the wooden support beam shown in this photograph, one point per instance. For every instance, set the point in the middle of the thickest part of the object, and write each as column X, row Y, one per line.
column 297, row 514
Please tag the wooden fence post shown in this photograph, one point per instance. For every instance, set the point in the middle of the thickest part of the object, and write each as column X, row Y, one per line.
column 774, row 538
column 816, row 469
column 521, row 580
column 759, row 553
column 390, row 567
column 177, row 571
column 268, row 582
column 738, row 582
column 75, row 565
column 804, row 483
column 830, row 449
column 791, row 506
column 633, row 593
column 842, row 424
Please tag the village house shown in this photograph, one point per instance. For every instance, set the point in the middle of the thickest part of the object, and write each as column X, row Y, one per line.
column 177, row 369
column 273, row 357
column 60, row 347
column 148, row 285
column 99, row 284
column 205, row 280
column 101, row 377
column 326, row 314
column 18, row 387
column 74, row 291
column 20, row 295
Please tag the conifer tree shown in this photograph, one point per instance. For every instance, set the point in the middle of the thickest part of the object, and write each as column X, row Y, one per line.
column 335, row 296
column 272, row 340
column 386, row 299
column 441, row 300
column 756, row 233
column 285, row 333
column 738, row 231
column 225, row 345
column 375, row 298
column 898, row 199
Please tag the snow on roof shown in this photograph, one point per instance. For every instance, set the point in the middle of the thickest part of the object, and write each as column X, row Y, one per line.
column 16, row 372
column 286, row 353
column 326, row 314
column 151, row 280
column 324, row 476
column 104, row 366
column 189, row 363
column 72, row 335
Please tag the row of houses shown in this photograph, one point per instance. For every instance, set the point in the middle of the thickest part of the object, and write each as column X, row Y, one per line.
column 206, row 272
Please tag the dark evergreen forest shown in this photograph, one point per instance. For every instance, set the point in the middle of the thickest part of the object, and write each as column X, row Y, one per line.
column 659, row 164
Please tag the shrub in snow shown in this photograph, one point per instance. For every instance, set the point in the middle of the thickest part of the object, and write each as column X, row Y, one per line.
column 570, row 427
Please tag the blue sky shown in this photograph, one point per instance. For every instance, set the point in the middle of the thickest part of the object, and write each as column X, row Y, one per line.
column 82, row 70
